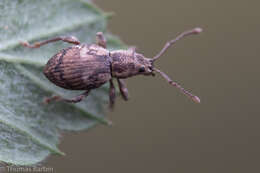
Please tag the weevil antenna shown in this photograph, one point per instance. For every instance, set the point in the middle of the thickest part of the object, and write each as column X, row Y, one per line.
column 172, row 42
column 187, row 93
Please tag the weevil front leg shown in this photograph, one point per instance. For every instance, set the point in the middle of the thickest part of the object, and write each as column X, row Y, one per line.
column 73, row 100
column 123, row 89
column 112, row 94
column 68, row 39
column 132, row 49
column 100, row 39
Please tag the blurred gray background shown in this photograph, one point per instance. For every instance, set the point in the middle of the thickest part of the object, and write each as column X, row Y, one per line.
column 161, row 130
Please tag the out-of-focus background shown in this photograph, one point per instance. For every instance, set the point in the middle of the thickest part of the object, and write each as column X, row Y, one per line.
column 161, row 130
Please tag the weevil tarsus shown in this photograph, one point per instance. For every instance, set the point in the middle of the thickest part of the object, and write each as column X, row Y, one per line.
column 68, row 39
column 72, row 100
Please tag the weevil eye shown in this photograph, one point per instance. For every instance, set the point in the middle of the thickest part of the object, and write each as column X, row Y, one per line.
column 141, row 69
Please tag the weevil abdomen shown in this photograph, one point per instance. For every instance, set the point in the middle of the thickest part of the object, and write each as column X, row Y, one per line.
column 80, row 67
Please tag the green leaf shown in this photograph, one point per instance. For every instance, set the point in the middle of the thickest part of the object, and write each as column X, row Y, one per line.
column 30, row 129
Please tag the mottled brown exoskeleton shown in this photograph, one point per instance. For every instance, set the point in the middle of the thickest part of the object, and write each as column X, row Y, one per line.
column 88, row 66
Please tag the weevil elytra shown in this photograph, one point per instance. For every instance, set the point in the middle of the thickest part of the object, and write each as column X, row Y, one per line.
column 88, row 66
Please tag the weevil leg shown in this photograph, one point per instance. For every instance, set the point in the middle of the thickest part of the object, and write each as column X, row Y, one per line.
column 68, row 39
column 101, row 41
column 73, row 100
column 123, row 89
column 112, row 94
column 132, row 49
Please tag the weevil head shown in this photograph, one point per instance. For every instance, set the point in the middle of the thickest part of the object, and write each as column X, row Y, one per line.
column 127, row 63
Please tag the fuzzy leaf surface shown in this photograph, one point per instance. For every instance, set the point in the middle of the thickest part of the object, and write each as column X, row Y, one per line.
column 30, row 129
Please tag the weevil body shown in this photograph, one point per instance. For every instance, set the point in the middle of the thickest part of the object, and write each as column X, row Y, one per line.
column 86, row 67
column 81, row 67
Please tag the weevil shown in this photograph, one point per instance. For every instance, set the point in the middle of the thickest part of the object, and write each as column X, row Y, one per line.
column 89, row 66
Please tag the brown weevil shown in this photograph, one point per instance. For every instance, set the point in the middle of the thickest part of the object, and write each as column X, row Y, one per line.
column 88, row 66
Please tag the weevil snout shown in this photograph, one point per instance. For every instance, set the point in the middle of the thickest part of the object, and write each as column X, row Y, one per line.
column 149, row 71
column 145, row 65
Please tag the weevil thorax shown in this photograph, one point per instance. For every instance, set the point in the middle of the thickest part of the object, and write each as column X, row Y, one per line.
column 127, row 63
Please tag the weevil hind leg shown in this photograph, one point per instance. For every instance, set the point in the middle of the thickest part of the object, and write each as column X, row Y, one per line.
column 68, row 39
column 112, row 94
column 123, row 89
column 72, row 100
column 100, row 39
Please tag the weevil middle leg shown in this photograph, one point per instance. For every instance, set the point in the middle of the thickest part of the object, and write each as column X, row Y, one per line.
column 101, row 41
column 68, row 39
column 112, row 94
column 123, row 89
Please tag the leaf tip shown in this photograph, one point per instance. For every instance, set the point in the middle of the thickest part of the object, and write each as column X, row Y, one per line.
column 62, row 153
